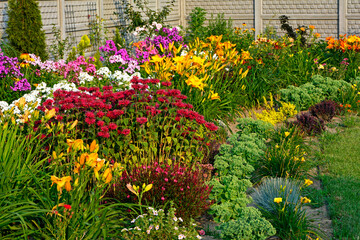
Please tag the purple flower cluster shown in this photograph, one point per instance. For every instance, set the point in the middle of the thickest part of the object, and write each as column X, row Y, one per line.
column 8, row 66
column 151, row 46
column 170, row 35
column 21, row 85
column 118, row 58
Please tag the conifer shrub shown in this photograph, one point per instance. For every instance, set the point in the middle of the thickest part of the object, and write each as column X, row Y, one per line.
column 24, row 28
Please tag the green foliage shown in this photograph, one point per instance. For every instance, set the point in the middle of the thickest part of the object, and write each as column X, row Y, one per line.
column 284, row 156
column 313, row 92
column 196, row 24
column 250, row 125
column 59, row 46
column 80, row 49
column 231, row 184
column 98, row 32
column 290, row 221
column 140, row 14
column 25, row 27
column 19, row 163
column 220, row 26
column 249, row 225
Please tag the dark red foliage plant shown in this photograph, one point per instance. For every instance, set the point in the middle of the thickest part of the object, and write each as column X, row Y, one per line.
column 324, row 110
column 309, row 123
column 183, row 185
column 148, row 123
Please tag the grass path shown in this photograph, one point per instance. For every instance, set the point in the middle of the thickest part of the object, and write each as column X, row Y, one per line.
column 341, row 181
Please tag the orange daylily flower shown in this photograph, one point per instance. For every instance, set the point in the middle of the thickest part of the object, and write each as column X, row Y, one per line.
column 62, row 182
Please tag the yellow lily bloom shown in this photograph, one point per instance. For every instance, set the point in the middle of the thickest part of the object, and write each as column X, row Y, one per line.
column 62, row 182
column 214, row 96
column 94, row 147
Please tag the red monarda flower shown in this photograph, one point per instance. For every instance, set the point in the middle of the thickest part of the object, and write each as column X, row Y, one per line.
column 90, row 121
column 141, row 120
column 89, row 115
column 100, row 114
column 67, row 206
column 112, row 126
column 125, row 132
column 100, row 123
column 166, row 84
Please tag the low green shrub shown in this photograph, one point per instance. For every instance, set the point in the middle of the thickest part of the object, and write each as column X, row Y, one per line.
column 313, row 92
column 250, row 125
column 249, row 225
column 231, row 184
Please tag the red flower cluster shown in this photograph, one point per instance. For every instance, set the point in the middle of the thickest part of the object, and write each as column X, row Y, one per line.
column 111, row 114
column 175, row 183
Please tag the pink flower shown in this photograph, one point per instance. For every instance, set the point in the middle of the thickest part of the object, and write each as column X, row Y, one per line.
column 141, row 120
column 162, row 198
column 202, row 232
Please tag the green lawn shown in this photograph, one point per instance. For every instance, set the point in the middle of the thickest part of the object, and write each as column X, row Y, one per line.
column 341, row 181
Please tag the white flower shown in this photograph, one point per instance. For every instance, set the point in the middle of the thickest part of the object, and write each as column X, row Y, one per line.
column 148, row 231
column 158, row 26
column 157, row 227
column 155, row 213
column 181, row 236
column 198, row 236
column 132, row 221
column 175, row 219
column 180, row 219
column 137, row 228
column 176, row 228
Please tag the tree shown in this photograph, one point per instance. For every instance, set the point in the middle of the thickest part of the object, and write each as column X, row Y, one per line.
column 24, row 28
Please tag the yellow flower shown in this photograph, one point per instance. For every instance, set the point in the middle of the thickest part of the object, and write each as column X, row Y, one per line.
column 308, row 182
column 214, row 96
column 215, row 38
column 156, row 59
column 305, row 200
column 77, row 144
column 287, row 134
column 278, row 200
column 50, row 114
column 195, row 82
column 62, row 182
column 24, row 65
column 147, row 187
column 94, row 147
column 245, row 55
column 107, row 176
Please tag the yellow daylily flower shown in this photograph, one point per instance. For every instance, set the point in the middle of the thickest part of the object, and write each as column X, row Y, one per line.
column 94, row 147
column 214, row 96
column 50, row 114
column 308, row 182
column 75, row 145
column 278, row 200
column 107, row 176
column 62, row 182
column 305, row 200
column 156, row 59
